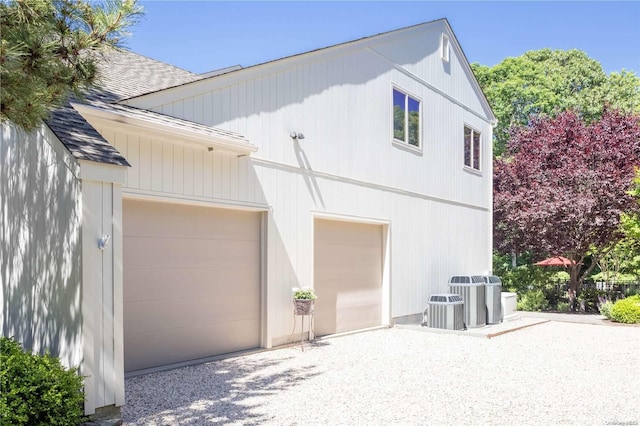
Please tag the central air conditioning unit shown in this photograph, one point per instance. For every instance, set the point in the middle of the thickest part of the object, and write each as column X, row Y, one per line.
column 472, row 290
column 444, row 311
column 493, row 298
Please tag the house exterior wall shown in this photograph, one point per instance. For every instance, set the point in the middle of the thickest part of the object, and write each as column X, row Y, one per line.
column 59, row 292
column 103, row 352
column 437, row 213
column 40, row 236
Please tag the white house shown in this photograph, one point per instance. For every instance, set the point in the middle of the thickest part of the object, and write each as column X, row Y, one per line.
column 166, row 218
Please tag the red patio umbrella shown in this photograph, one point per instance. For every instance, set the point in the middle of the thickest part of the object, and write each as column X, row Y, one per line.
column 556, row 261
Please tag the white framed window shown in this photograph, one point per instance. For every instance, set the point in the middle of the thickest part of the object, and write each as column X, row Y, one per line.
column 407, row 117
column 472, row 148
column 444, row 47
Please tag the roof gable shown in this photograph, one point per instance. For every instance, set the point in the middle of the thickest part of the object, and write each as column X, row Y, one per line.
column 196, row 87
column 122, row 74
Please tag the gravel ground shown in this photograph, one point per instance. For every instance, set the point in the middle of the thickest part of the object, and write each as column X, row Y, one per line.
column 552, row 373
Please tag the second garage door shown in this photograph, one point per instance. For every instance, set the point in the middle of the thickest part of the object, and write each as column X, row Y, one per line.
column 347, row 276
column 191, row 282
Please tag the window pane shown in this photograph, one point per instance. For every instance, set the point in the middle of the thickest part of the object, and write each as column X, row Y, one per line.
column 414, row 122
column 467, row 146
column 476, row 150
column 398, row 115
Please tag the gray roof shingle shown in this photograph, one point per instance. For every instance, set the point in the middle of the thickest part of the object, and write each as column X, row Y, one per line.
column 122, row 74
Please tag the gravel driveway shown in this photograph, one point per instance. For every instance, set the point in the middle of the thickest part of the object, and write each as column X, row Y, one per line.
column 552, row 373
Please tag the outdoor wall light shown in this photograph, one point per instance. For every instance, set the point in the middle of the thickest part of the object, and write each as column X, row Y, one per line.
column 295, row 135
column 103, row 242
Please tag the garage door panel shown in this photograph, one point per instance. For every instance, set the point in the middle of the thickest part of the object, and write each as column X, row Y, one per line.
column 155, row 348
column 358, row 254
column 191, row 282
column 152, row 315
column 350, row 233
column 150, row 219
column 189, row 253
column 198, row 282
column 347, row 276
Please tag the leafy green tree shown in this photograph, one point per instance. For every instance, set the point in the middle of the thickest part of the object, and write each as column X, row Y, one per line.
column 49, row 49
column 550, row 81
column 564, row 186
column 622, row 261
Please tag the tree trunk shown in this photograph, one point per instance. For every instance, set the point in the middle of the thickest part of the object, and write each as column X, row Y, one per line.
column 574, row 284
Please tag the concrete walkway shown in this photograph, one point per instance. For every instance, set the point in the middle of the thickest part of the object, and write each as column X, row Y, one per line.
column 521, row 320
column 488, row 331
column 577, row 317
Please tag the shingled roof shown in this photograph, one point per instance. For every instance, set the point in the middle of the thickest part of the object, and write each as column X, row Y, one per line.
column 123, row 74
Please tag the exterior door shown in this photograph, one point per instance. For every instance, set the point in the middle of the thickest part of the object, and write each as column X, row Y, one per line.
column 347, row 276
column 191, row 282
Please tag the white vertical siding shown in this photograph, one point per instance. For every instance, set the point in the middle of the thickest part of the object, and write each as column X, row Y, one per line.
column 346, row 119
column 40, row 246
column 438, row 213
column 102, row 286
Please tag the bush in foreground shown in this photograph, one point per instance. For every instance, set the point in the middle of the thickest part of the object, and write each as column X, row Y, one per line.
column 627, row 310
column 37, row 389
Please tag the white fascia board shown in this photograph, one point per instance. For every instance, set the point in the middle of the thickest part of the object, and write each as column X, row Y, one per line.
column 470, row 75
column 195, row 88
column 164, row 131
column 102, row 172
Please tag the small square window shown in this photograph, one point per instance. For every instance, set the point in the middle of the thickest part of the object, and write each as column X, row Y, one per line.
column 406, row 118
column 444, row 47
column 472, row 148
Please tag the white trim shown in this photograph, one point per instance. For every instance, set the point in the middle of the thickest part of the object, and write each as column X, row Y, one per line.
column 163, row 197
column 340, row 217
column 257, row 161
column 102, row 172
column 118, row 296
column 445, row 47
column 165, row 131
column 464, row 62
column 473, row 130
column 265, row 331
column 260, row 70
column 414, row 77
column 58, row 147
column 264, row 211
column 197, row 87
column 408, row 94
column 385, row 291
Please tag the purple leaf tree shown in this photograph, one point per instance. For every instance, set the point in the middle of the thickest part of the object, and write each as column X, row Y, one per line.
column 563, row 184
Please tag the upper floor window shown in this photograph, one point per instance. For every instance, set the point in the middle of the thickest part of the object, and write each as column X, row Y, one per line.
column 471, row 148
column 406, row 118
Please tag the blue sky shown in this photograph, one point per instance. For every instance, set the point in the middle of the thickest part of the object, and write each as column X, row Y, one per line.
column 206, row 35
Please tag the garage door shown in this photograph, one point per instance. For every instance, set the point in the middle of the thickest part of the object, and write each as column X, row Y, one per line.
column 347, row 276
column 191, row 282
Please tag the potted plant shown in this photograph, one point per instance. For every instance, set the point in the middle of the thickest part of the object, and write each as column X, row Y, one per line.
column 303, row 300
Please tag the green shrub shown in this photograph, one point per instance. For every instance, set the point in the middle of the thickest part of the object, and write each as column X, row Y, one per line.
column 523, row 277
column 631, row 291
column 563, row 306
column 627, row 310
column 605, row 309
column 533, row 301
column 37, row 389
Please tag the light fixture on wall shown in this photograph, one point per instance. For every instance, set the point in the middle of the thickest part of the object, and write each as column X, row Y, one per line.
column 296, row 136
column 103, row 242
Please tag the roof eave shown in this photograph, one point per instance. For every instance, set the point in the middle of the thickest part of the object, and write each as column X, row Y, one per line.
column 165, row 131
